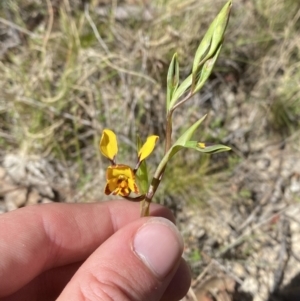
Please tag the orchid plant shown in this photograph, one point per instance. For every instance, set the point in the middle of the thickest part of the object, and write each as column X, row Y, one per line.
column 121, row 179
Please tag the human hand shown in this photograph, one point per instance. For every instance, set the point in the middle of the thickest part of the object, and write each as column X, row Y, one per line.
column 99, row 251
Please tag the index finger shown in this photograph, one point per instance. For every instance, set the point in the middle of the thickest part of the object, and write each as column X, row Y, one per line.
column 38, row 238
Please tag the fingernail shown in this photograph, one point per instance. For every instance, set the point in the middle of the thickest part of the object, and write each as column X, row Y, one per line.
column 159, row 245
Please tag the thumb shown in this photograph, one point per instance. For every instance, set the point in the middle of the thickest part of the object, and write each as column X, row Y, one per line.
column 138, row 263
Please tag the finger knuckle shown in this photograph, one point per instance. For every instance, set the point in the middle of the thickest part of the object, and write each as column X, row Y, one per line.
column 96, row 288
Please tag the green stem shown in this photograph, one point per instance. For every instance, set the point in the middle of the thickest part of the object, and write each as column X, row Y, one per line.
column 154, row 185
column 163, row 164
column 151, row 191
column 168, row 131
column 187, row 97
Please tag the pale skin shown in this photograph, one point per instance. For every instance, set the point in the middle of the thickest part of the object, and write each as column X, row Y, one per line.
column 99, row 251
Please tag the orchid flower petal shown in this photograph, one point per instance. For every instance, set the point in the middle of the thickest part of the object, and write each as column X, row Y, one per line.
column 147, row 148
column 108, row 144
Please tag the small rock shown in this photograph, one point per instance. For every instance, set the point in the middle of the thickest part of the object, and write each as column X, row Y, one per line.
column 33, row 197
column 201, row 233
column 6, row 186
column 295, row 184
column 238, row 270
column 45, row 190
column 46, row 201
column 15, row 167
column 221, row 286
column 263, row 163
column 250, row 285
column 17, row 196
column 10, row 205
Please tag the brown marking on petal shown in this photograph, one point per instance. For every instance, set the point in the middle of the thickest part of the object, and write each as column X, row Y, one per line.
column 106, row 190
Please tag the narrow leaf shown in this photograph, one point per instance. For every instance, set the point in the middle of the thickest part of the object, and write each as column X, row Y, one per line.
column 186, row 136
column 207, row 70
column 183, row 88
column 172, row 79
column 206, row 147
column 204, row 47
column 209, row 48
column 177, row 146
column 212, row 38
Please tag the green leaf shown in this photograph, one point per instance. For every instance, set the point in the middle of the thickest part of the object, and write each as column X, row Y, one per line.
column 204, row 47
column 177, row 146
column 206, row 147
column 183, row 87
column 206, row 70
column 212, row 38
column 205, row 57
column 172, row 79
column 203, row 75
column 142, row 172
column 186, row 136
column 142, row 177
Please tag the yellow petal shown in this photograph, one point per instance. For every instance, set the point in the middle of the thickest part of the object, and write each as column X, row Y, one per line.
column 123, row 191
column 119, row 170
column 201, row 145
column 108, row 189
column 132, row 186
column 147, row 148
column 108, row 144
column 113, row 184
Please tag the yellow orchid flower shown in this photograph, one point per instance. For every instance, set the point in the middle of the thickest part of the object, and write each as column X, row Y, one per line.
column 121, row 178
